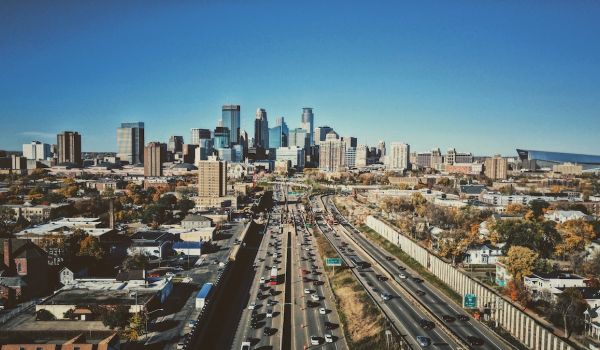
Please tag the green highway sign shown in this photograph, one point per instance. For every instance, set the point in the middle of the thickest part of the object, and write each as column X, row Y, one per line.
column 333, row 261
column 470, row 301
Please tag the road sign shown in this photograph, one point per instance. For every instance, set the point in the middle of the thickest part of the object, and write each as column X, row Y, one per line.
column 333, row 261
column 470, row 301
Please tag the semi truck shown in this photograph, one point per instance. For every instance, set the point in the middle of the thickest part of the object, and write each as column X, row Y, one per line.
column 203, row 295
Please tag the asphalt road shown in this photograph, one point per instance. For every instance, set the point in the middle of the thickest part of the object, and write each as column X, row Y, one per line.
column 433, row 299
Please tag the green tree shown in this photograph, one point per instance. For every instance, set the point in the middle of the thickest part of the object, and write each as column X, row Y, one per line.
column 541, row 237
column 185, row 205
column 136, row 261
column 568, row 311
column 115, row 316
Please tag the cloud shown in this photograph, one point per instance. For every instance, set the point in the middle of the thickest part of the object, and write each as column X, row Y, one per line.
column 40, row 134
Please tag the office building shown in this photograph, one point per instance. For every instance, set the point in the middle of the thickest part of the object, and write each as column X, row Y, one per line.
column 381, row 151
column 320, row 133
column 308, row 124
column 350, row 157
column 568, row 169
column 397, row 156
column 231, row 120
column 496, row 168
column 429, row 159
column 69, row 148
column 261, row 129
column 175, row 144
column 204, row 150
column 221, row 137
column 212, row 178
column 155, row 154
column 130, row 142
column 453, row 157
column 332, row 153
column 36, row 150
column 278, row 135
column 293, row 154
column 350, row 141
column 188, row 152
column 199, row 134
column 299, row 138
column 362, row 156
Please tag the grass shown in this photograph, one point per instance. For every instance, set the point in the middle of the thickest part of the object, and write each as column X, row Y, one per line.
column 412, row 263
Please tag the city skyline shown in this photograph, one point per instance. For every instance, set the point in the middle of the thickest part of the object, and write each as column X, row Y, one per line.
column 458, row 76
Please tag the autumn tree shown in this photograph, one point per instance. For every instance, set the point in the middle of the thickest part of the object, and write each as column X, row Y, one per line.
column 517, row 292
column 115, row 316
column 90, row 247
column 576, row 235
column 520, row 261
column 541, row 237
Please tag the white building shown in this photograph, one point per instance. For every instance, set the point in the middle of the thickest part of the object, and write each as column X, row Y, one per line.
column 36, row 150
column 361, row 157
column 562, row 216
column 397, row 157
column 351, row 157
column 294, row 154
column 551, row 282
column 332, row 153
column 483, row 254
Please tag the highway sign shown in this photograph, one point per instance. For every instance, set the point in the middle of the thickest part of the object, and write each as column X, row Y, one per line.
column 333, row 261
column 470, row 301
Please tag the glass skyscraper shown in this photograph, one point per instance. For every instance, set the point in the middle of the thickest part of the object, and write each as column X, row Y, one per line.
column 221, row 137
column 130, row 142
column 231, row 120
column 308, row 124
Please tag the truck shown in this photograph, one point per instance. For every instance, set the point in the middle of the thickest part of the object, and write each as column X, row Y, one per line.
column 203, row 295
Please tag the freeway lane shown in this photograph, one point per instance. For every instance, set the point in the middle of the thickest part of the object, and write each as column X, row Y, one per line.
column 433, row 299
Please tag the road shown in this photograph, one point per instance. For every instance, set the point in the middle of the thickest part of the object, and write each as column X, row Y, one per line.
column 433, row 299
column 311, row 317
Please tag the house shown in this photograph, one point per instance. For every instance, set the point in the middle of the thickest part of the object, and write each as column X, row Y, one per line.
column 23, row 270
column 68, row 274
column 483, row 254
column 551, row 282
column 193, row 221
column 188, row 248
column 471, row 191
column 151, row 243
column 562, row 216
column 77, row 343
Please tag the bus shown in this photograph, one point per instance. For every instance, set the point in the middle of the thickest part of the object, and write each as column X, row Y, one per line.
column 273, row 277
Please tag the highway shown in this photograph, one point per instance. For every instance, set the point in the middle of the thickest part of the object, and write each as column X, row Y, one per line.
column 432, row 299
column 404, row 314
column 316, row 317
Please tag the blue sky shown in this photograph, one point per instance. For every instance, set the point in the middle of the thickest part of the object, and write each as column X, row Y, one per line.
column 482, row 76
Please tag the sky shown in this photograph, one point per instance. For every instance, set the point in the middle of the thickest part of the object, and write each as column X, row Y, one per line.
column 481, row 76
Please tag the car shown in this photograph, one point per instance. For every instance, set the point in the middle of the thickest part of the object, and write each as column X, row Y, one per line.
column 170, row 274
column 382, row 278
column 386, row 296
column 252, row 306
column 271, row 302
column 315, row 297
column 314, row 340
column 448, row 318
column 426, row 324
column 423, row 341
column 328, row 338
column 191, row 323
column 329, row 326
column 180, row 346
column 322, row 311
column 262, row 280
column 269, row 313
column 403, row 276
column 310, row 303
column 268, row 331
column 389, row 258
column 474, row 341
column 417, row 280
column 317, row 283
column 420, row 293
column 307, row 291
column 401, row 268
column 462, row 317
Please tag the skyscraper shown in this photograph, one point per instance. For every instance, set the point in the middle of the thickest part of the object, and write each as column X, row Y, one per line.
column 222, row 137
column 362, row 155
column 320, row 133
column 332, row 153
column 397, row 157
column 130, row 142
column 155, row 153
column 261, row 129
column 231, row 120
column 199, row 134
column 175, row 144
column 36, row 150
column 299, row 137
column 350, row 141
column 69, row 147
column 278, row 135
column 308, row 120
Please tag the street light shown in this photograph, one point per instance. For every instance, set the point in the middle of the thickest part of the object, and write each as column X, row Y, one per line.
column 146, row 318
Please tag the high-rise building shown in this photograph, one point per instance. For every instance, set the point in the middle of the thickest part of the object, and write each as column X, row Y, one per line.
column 293, row 154
column 130, row 142
column 175, row 144
column 350, row 141
column 381, row 149
column 332, row 153
column 308, row 124
column 199, row 134
column 231, row 120
column 69, row 148
column 362, row 156
column 453, row 157
column 212, row 178
column 204, row 150
column 155, row 154
column 350, row 157
column 321, row 133
column 36, row 150
column 261, row 129
column 278, row 135
column 299, row 137
column 429, row 159
column 496, row 168
column 397, row 157
column 221, row 137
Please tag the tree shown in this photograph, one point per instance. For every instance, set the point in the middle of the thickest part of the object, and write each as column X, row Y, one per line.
column 517, row 292
column 568, row 311
column 541, row 237
column 136, row 261
column 115, row 316
column 90, row 246
column 576, row 235
column 516, row 209
column 185, row 205
column 520, row 261
column 538, row 207
column 136, row 326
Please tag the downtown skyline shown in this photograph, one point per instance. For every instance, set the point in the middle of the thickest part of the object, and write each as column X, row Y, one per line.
column 486, row 86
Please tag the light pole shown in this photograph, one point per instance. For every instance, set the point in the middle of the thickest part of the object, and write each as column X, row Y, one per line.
column 146, row 318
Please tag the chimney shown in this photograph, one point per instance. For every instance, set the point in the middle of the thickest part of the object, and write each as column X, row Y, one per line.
column 8, row 261
column 111, row 213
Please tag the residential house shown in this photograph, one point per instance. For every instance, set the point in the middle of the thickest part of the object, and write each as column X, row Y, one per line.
column 540, row 283
column 23, row 270
column 483, row 254
column 152, row 243
column 193, row 221
column 561, row 216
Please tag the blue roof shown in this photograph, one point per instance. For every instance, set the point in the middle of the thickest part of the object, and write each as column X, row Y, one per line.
column 558, row 157
column 188, row 245
column 205, row 290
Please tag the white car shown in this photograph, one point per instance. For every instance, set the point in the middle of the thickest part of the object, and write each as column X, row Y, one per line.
column 328, row 338
column 252, row 306
column 314, row 340
column 403, row 276
column 307, row 291
column 262, row 280
column 269, row 313
column 322, row 311
column 315, row 297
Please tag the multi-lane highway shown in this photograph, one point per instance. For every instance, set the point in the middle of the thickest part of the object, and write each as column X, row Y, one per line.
column 447, row 314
